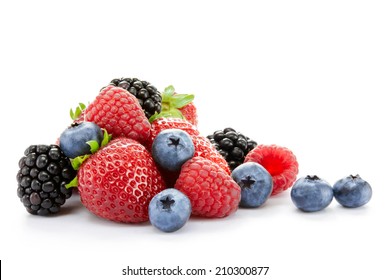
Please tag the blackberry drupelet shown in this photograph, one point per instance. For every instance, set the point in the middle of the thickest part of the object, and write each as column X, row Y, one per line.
column 232, row 145
column 44, row 172
column 148, row 96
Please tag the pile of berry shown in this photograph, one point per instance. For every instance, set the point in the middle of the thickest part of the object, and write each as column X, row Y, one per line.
column 136, row 155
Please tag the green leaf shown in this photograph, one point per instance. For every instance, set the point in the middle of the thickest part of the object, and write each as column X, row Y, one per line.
column 94, row 146
column 169, row 90
column 181, row 100
column 172, row 113
column 77, row 112
column 78, row 161
column 154, row 117
column 106, row 138
column 73, row 183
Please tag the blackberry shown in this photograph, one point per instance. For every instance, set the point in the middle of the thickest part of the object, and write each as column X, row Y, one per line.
column 44, row 172
column 148, row 96
column 232, row 145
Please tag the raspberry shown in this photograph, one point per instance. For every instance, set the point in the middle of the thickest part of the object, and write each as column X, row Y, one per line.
column 280, row 162
column 212, row 192
column 205, row 149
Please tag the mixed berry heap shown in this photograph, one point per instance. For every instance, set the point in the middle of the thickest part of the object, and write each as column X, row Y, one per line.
column 232, row 145
column 42, row 177
column 135, row 155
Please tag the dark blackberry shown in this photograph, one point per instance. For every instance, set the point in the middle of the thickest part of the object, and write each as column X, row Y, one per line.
column 232, row 145
column 44, row 172
column 148, row 96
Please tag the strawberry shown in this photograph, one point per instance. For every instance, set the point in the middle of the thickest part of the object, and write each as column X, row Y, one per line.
column 176, row 105
column 118, row 181
column 119, row 112
column 212, row 192
column 189, row 112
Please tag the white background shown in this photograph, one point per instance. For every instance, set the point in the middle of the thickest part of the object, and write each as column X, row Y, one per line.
column 308, row 75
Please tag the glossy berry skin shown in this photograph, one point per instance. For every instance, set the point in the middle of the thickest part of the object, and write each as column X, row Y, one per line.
column 352, row 191
column 73, row 141
column 169, row 210
column 255, row 183
column 232, row 145
column 119, row 112
column 119, row 180
column 44, row 172
column 279, row 161
column 212, row 192
column 171, row 148
column 311, row 194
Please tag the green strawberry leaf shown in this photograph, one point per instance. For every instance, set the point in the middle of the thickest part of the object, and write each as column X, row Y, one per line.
column 169, row 91
column 181, row 100
column 172, row 113
column 94, row 146
column 77, row 112
column 78, row 161
column 106, row 138
column 73, row 183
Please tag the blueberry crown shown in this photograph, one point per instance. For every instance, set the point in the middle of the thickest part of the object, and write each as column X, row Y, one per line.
column 312, row 177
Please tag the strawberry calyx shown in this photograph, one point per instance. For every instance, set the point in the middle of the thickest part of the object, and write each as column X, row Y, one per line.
column 78, row 161
column 171, row 103
column 77, row 112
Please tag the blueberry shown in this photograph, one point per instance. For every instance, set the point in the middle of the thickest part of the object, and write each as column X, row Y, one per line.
column 172, row 148
column 73, row 141
column 352, row 191
column 169, row 210
column 255, row 182
column 311, row 194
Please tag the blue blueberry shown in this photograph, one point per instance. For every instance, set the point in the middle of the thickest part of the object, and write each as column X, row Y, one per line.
column 352, row 191
column 255, row 182
column 73, row 141
column 311, row 194
column 169, row 210
column 172, row 148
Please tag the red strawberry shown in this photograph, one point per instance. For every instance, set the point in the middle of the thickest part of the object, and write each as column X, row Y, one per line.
column 176, row 105
column 280, row 162
column 189, row 113
column 119, row 112
column 161, row 124
column 212, row 192
column 119, row 180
